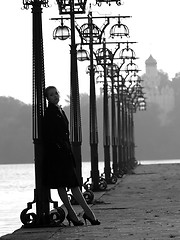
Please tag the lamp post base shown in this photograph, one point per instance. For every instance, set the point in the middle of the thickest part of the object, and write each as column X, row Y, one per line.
column 52, row 218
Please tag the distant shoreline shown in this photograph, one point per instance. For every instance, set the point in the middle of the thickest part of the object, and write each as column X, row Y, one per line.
column 157, row 161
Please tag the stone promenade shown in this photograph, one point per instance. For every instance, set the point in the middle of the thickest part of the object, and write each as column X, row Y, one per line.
column 141, row 206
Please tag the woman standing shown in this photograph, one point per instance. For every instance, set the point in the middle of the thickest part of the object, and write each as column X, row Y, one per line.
column 59, row 161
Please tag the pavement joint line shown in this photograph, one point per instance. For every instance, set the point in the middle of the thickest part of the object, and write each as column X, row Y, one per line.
column 144, row 206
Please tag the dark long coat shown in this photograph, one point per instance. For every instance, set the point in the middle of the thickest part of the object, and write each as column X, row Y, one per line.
column 58, row 161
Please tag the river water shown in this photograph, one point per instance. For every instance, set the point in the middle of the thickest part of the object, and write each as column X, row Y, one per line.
column 17, row 189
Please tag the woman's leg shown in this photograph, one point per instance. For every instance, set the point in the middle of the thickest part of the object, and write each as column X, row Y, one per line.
column 64, row 197
column 82, row 202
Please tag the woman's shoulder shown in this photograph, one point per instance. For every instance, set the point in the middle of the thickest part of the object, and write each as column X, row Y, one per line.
column 50, row 112
column 51, row 108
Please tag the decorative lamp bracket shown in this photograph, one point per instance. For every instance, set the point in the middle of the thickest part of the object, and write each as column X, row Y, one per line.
column 99, row 2
column 103, row 55
column 86, row 35
column 62, row 32
column 95, row 68
column 113, row 70
column 66, row 6
column 27, row 3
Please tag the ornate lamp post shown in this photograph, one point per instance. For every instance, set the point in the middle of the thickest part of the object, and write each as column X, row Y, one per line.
column 103, row 55
column 129, row 124
column 118, row 83
column 130, row 68
column 113, row 74
column 73, row 7
column 42, row 217
column 91, row 34
column 137, row 101
column 93, row 128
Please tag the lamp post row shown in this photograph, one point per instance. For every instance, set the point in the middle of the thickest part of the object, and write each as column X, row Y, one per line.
column 42, row 198
column 90, row 34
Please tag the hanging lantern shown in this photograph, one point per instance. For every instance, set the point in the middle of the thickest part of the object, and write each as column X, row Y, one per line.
column 132, row 67
column 61, row 33
column 142, row 106
column 119, row 30
column 82, row 54
column 127, row 53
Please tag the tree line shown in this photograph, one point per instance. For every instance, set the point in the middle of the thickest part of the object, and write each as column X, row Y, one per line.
column 153, row 140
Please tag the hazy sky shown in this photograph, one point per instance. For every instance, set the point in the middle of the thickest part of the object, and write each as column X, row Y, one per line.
column 154, row 25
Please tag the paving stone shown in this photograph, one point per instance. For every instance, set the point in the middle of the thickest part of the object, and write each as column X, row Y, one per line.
column 142, row 206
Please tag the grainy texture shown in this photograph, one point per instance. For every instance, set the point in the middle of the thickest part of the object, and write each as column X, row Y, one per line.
column 143, row 206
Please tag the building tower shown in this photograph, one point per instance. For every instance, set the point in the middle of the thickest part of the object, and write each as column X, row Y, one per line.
column 151, row 75
column 158, row 89
column 151, row 66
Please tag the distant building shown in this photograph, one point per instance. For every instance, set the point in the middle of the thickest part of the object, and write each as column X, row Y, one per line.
column 176, row 86
column 151, row 66
column 158, row 88
column 151, row 78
